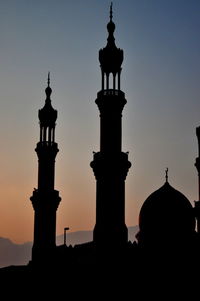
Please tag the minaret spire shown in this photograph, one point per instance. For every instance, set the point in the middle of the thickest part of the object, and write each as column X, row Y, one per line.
column 111, row 59
column 48, row 79
column 166, row 174
column 111, row 11
column 48, row 89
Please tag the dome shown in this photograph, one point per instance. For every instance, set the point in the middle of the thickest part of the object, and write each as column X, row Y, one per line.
column 111, row 26
column 48, row 92
column 166, row 211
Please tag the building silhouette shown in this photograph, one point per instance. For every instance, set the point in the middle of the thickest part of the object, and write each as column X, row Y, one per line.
column 166, row 220
column 168, row 240
column 110, row 166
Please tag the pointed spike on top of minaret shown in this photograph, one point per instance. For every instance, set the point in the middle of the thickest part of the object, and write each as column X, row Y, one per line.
column 48, row 80
column 111, row 25
column 111, row 11
column 48, row 89
column 166, row 174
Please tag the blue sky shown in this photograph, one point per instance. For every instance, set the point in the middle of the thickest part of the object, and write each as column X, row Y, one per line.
column 160, row 77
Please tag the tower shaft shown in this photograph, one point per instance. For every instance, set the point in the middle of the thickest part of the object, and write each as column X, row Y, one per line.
column 110, row 167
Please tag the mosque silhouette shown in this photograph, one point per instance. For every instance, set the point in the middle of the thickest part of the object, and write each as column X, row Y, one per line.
column 169, row 226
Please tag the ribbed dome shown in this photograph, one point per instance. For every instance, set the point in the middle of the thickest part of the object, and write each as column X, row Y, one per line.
column 168, row 211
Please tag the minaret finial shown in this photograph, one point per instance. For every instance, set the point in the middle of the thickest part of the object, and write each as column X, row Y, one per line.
column 48, row 89
column 48, row 80
column 166, row 174
column 111, row 26
column 111, row 11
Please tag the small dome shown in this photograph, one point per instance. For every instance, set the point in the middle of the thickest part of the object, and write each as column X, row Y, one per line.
column 166, row 211
column 111, row 27
column 48, row 91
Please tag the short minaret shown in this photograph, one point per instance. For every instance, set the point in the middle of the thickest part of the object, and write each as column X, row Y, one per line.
column 197, row 164
column 110, row 164
column 45, row 198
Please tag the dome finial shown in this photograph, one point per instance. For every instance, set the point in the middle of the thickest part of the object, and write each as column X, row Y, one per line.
column 166, row 174
column 111, row 11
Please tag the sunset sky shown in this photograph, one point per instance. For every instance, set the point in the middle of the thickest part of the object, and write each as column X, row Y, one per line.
column 161, row 80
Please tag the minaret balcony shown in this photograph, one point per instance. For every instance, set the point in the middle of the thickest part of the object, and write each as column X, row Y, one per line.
column 43, row 199
column 47, row 143
column 109, row 99
column 104, row 165
column 47, row 146
column 111, row 92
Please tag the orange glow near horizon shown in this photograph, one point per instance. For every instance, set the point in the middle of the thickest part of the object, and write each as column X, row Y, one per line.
column 76, row 210
column 77, row 207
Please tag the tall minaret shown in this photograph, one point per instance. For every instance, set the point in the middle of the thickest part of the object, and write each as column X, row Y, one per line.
column 45, row 198
column 197, row 164
column 110, row 164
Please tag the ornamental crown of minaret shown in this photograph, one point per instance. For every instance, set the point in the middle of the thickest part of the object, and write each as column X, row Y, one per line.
column 47, row 115
column 111, row 57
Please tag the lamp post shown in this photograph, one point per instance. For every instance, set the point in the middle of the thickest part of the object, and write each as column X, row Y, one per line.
column 65, row 230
